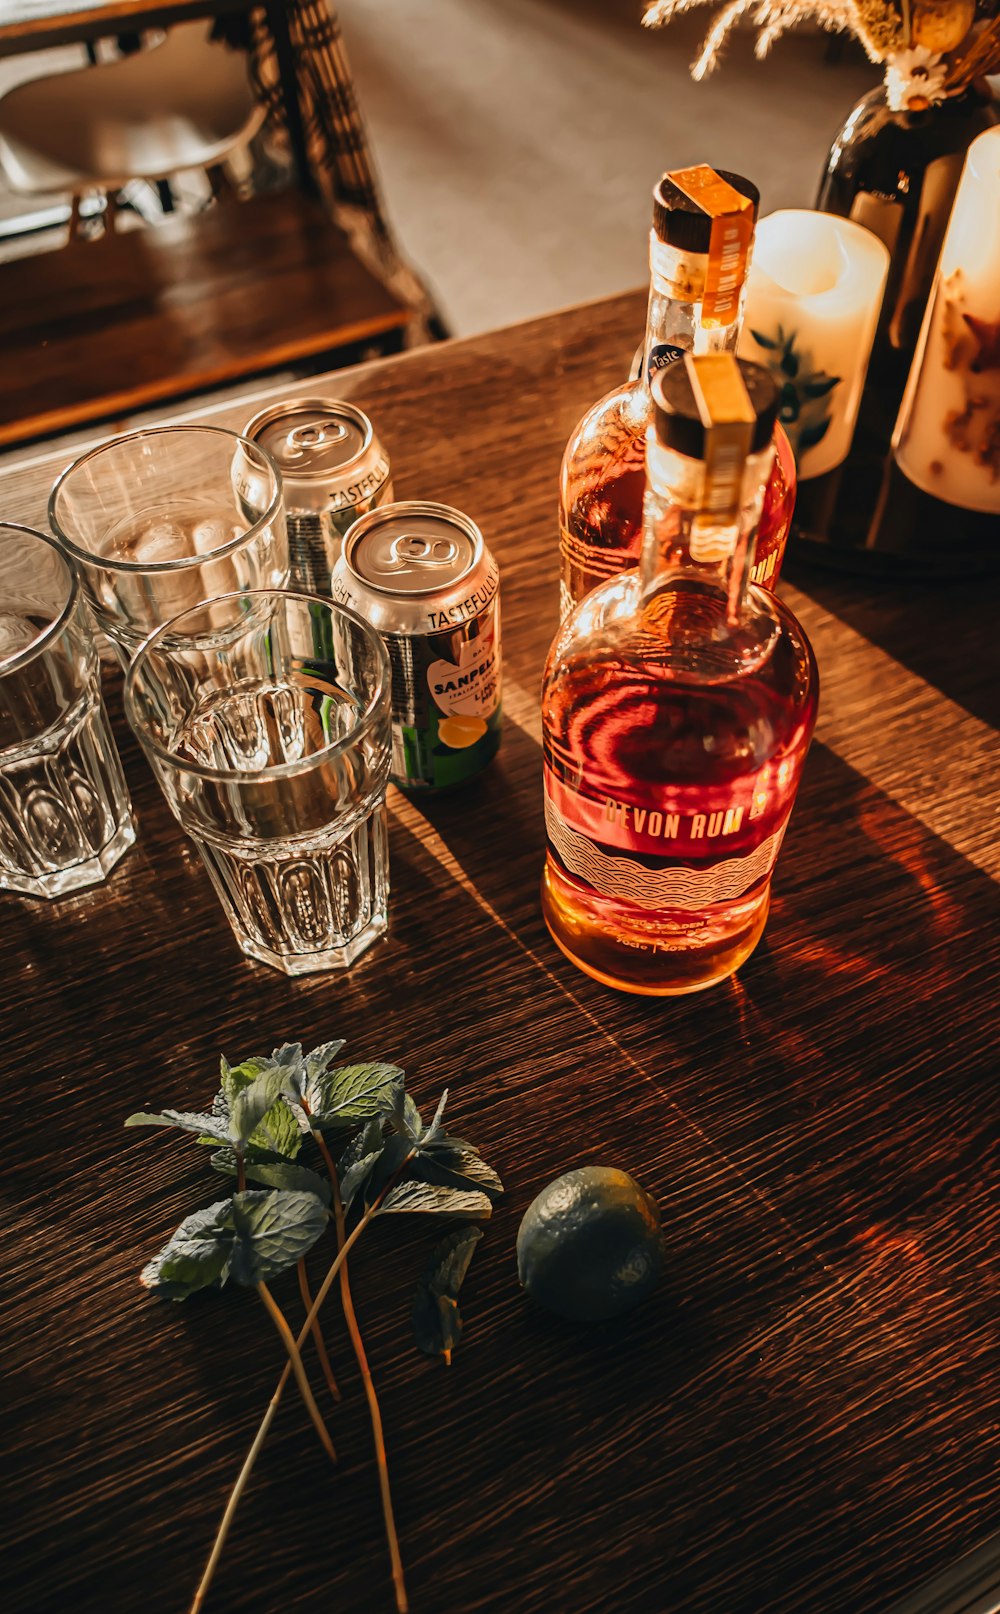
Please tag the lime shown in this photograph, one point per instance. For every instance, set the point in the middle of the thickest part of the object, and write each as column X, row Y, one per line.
column 589, row 1246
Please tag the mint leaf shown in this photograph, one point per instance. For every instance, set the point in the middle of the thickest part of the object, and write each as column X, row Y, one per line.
column 289, row 1055
column 251, row 1238
column 303, row 1071
column 404, row 1117
column 272, row 1170
column 183, row 1121
column 358, row 1161
column 234, row 1078
column 226, row 1160
column 394, row 1155
column 436, row 1128
column 196, row 1257
column 450, row 1261
column 455, row 1163
column 271, row 1231
column 437, row 1321
column 279, row 1131
column 252, row 1103
column 438, row 1157
column 352, row 1093
column 318, row 1060
column 436, row 1199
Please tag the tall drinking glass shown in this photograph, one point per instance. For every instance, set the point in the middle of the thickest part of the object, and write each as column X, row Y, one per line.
column 64, row 809
column 159, row 520
column 269, row 735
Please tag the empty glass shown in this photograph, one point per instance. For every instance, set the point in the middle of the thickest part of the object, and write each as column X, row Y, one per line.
column 64, row 809
column 158, row 520
column 269, row 735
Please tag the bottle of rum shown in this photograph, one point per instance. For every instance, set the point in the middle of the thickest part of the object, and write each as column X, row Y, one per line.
column 699, row 248
column 677, row 708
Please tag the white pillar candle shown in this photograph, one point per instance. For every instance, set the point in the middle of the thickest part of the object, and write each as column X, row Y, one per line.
column 947, row 437
column 813, row 297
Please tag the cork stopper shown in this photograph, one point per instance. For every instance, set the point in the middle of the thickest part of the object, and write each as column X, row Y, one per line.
column 713, row 390
column 687, row 202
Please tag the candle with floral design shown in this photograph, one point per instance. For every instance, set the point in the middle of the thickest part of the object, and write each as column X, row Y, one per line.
column 947, row 438
column 813, row 297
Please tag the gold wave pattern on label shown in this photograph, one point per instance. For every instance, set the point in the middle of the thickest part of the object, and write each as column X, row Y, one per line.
column 680, row 887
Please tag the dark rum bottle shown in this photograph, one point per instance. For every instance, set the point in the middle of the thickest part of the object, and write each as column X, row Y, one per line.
column 677, row 708
column 699, row 248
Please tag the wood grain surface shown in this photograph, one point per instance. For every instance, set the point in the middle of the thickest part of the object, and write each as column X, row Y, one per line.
column 805, row 1416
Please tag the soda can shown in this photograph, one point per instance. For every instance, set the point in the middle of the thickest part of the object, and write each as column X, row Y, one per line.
column 333, row 469
column 423, row 576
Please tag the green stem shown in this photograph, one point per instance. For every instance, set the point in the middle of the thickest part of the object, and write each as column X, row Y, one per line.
column 295, row 1357
column 349, row 1242
column 237, row 1492
column 374, row 1412
column 258, row 1440
column 318, row 1340
column 321, row 1351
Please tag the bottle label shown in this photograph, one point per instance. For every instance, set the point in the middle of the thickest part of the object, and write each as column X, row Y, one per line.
column 661, row 356
column 446, row 702
column 690, row 859
column 470, row 688
column 731, row 237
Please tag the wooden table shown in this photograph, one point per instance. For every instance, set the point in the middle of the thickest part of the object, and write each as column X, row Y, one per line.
column 805, row 1417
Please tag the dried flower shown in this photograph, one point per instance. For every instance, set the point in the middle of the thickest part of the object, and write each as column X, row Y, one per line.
column 912, row 37
column 914, row 80
column 876, row 23
column 879, row 27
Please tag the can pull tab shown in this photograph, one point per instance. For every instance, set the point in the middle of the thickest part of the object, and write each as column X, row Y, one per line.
column 412, row 549
column 304, row 439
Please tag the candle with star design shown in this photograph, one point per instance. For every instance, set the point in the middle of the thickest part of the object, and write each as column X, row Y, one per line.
column 947, row 437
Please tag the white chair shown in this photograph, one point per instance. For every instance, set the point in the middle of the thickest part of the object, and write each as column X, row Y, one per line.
column 183, row 104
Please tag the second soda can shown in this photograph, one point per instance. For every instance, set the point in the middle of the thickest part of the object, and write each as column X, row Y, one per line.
column 333, row 468
column 423, row 576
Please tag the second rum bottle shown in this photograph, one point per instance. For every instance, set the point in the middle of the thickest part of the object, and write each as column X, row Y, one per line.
column 699, row 249
column 677, row 708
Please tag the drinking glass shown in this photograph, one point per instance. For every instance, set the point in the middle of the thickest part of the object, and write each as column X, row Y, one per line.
column 268, row 732
column 159, row 520
column 64, row 810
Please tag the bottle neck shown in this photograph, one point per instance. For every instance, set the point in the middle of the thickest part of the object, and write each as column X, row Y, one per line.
column 682, row 542
column 674, row 319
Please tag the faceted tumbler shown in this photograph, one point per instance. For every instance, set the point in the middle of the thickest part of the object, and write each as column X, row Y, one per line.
column 64, row 810
column 158, row 521
column 268, row 732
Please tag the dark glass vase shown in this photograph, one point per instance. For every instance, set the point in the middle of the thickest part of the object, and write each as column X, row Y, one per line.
column 896, row 173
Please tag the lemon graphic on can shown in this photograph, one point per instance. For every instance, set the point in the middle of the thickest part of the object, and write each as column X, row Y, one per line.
column 457, row 732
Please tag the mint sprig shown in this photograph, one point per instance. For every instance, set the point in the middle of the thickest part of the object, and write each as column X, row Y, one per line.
column 390, row 1163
